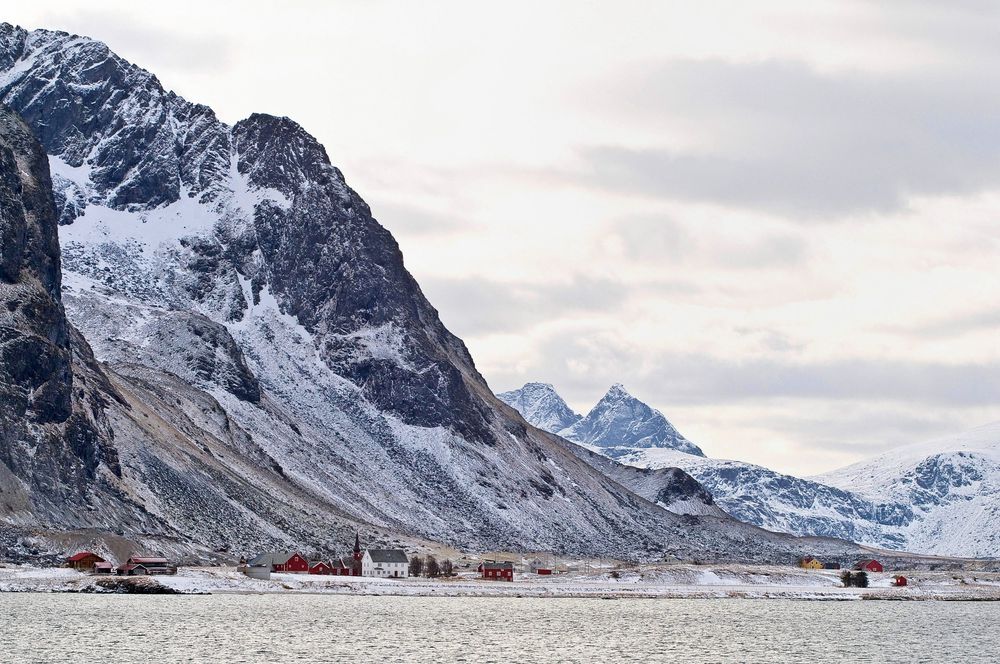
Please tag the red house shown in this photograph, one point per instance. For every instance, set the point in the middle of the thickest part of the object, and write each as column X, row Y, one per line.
column 83, row 561
column 288, row 561
column 869, row 565
column 320, row 567
column 899, row 581
column 497, row 571
column 339, row 568
column 543, row 571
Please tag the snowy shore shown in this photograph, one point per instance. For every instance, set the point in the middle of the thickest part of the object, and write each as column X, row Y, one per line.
column 654, row 581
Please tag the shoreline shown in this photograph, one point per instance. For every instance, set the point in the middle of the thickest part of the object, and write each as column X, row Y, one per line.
column 645, row 582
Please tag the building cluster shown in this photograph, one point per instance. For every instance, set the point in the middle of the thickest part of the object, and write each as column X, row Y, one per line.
column 91, row 563
column 866, row 565
column 385, row 563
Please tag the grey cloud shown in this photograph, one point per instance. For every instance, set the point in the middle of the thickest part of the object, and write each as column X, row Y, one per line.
column 407, row 219
column 707, row 380
column 800, row 142
column 477, row 305
column 953, row 326
column 655, row 239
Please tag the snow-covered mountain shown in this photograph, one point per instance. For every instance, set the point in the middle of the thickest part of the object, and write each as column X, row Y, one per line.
column 938, row 498
column 952, row 485
column 541, row 405
column 270, row 374
column 617, row 424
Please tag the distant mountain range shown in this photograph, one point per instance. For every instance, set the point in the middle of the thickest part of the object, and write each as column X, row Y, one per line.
column 941, row 497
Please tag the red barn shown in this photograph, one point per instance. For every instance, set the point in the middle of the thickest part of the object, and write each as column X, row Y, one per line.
column 83, row 561
column 543, row 571
column 288, row 561
column 869, row 565
column 899, row 581
column 320, row 567
column 497, row 571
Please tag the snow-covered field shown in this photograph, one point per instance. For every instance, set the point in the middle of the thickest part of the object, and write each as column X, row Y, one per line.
column 652, row 581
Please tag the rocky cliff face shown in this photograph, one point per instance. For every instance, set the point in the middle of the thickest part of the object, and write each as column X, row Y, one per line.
column 281, row 375
column 44, row 440
column 137, row 455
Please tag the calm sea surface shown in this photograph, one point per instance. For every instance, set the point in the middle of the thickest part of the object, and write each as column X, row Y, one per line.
column 322, row 628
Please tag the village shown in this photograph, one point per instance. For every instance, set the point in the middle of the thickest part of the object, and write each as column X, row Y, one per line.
column 377, row 563
column 448, row 573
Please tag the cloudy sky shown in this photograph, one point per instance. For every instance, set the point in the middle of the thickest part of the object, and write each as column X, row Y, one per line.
column 774, row 221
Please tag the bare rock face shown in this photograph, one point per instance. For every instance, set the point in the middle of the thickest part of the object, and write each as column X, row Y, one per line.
column 34, row 333
column 50, row 440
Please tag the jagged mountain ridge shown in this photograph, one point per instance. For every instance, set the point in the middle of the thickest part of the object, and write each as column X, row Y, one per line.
column 938, row 498
column 617, row 421
column 541, row 405
column 248, row 297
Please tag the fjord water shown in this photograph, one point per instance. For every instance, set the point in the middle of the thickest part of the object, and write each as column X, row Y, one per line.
column 317, row 628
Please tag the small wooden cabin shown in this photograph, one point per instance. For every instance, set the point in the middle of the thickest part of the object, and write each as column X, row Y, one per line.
column 810, row 563
column 287, row 561
column 84, row 561
column 340, row 568
column 869, row 565
column 320, row 567
column 497, row 571
column 137, row 565
column 899, row 581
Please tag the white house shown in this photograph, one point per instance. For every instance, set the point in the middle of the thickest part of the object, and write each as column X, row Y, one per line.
column 391, row 563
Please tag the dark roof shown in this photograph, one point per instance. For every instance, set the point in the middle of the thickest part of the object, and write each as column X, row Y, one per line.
column 313, row 563
column 493, row 564
column 338, row 563
column 388, row 556
column 83, row 554
column 146, row 560
column 273, row 558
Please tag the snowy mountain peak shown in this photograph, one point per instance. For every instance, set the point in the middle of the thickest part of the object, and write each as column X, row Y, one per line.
column 619, row 420
column 541, row 405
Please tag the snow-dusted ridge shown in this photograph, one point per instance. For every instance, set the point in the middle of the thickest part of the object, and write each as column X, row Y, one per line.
column 939, row 497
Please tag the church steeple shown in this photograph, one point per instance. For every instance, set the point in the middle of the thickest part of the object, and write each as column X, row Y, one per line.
column 357, row 565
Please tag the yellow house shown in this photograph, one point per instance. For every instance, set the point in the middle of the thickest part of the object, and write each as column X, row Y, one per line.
column 810, row 563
